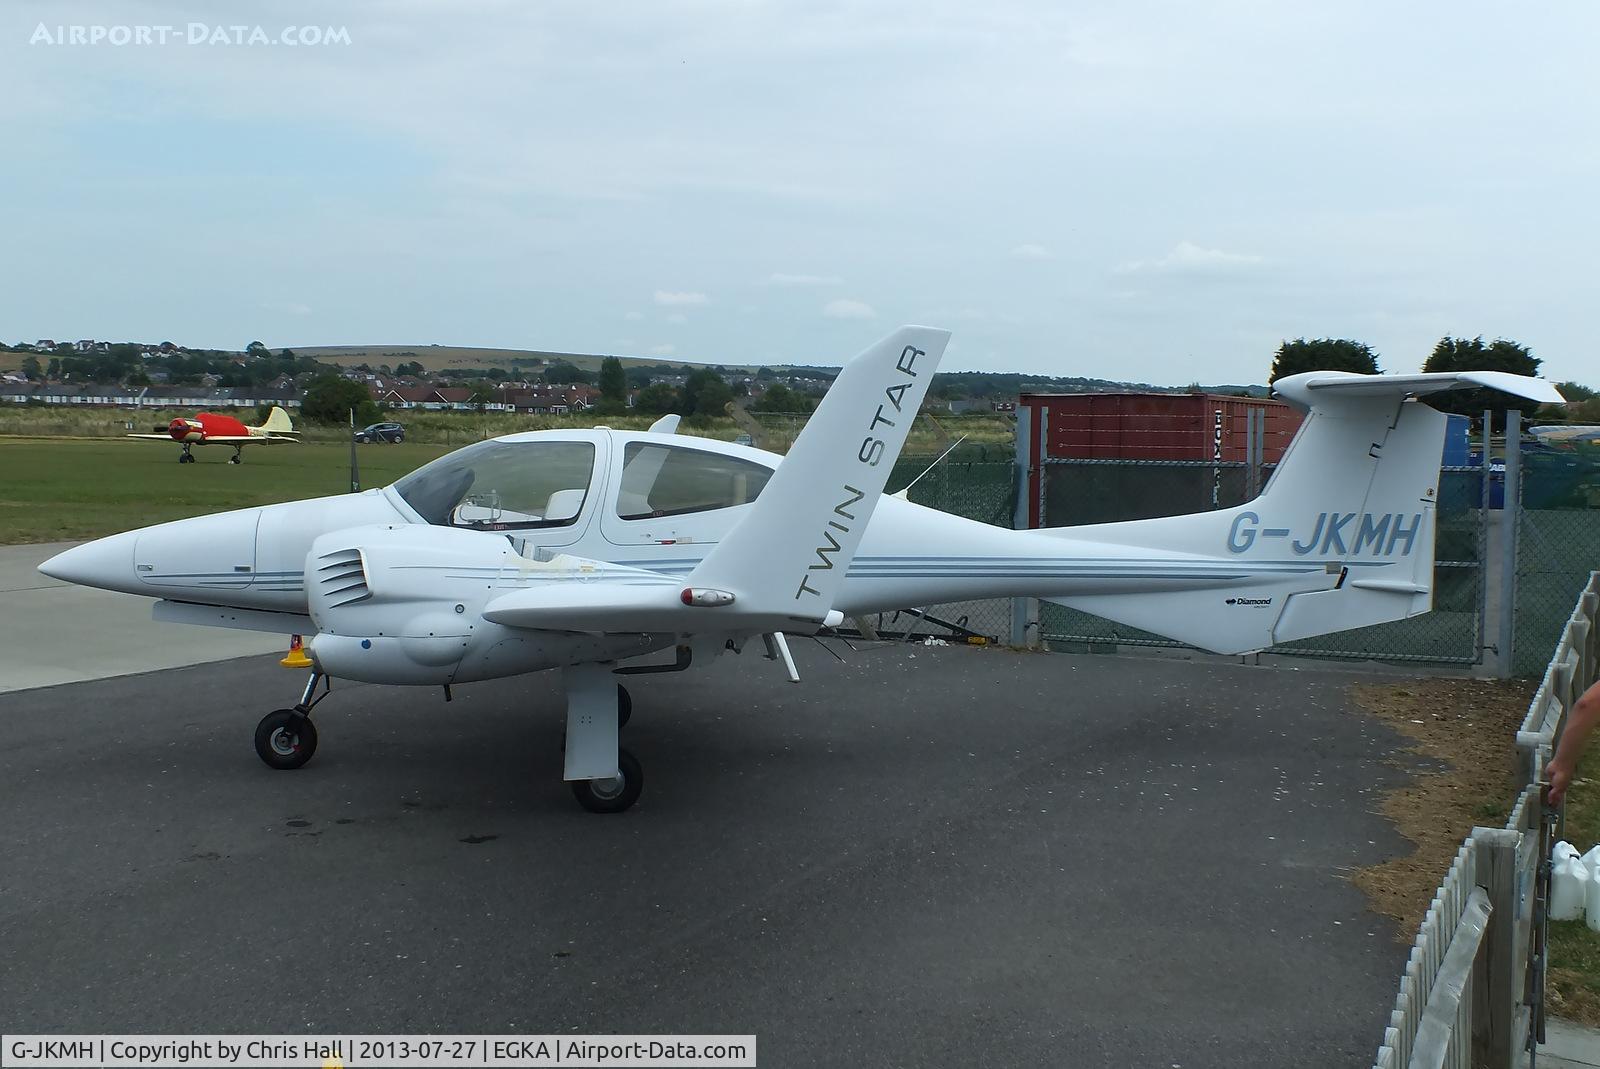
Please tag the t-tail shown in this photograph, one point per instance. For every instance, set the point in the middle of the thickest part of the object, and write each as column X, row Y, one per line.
column 1342, row 537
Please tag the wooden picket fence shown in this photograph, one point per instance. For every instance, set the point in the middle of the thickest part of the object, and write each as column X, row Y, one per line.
column 1472, row 993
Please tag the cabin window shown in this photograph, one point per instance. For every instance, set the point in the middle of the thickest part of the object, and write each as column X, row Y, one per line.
column 503, row 486
column 660, row 480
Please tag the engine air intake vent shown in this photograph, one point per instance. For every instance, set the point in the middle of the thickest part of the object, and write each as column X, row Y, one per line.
column 342, row 577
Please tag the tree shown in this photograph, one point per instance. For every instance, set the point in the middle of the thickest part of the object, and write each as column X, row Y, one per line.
column 657, row 399
column 705, row 394
column 329, row 399
column 1574, row 391
column 255, row 348
column 564, row 374
column 613, row 382
column 779, row 398
column 1460, row 354
column 53, row 369
column 482, row 394
column 1323, row 354
column 31, row 368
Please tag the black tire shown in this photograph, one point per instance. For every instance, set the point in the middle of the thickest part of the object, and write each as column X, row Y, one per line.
column 235, row 460
column 608, row 796
column 285, row 739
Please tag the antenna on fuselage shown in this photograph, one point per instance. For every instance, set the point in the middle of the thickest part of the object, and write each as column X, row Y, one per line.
column 355, row 471
column 902, row 491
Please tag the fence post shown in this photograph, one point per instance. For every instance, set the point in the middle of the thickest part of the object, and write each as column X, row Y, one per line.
column 1497, row 978
column 1024, row 453
column 1510, row 517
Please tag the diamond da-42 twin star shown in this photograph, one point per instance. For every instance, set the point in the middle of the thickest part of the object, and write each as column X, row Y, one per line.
column 593, row 552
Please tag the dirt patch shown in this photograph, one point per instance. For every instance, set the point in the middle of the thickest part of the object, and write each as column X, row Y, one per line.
column 1462, row 763
column 1462, row 729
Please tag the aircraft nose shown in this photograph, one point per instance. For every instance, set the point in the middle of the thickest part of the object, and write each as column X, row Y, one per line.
column 106, row 563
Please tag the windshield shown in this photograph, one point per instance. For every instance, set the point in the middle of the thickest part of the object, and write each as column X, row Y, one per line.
column 501, row 486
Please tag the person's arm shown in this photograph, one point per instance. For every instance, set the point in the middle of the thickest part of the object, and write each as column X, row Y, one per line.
column 1580, row 723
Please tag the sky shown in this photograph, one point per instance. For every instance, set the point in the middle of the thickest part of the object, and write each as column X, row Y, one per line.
column 1148, row 191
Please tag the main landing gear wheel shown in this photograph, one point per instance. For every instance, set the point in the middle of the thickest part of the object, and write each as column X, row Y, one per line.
column 236, row 459
column 612, row 795
column 287, row 738
column 185, row 458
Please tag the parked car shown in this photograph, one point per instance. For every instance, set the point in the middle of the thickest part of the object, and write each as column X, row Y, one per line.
column 382, row 432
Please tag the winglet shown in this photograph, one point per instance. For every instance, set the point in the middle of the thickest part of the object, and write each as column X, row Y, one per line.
column 786, row 560
column 667, row 424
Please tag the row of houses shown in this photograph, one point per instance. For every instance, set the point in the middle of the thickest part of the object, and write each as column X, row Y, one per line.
column 535, row 399
column 90, row 345
column 527, row 398
column 192, row 397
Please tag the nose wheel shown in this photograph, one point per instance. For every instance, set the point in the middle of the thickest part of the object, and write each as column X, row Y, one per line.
column 286, row 739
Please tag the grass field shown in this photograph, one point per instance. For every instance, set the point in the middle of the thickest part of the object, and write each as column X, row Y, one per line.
column 1574, row 949
column 65, row 489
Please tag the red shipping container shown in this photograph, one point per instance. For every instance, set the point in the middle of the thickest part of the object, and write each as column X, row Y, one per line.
column 1156, row 426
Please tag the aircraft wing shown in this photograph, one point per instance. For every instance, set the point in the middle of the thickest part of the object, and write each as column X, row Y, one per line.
column 221, row 439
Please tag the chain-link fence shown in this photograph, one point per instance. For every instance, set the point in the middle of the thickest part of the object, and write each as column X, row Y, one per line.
column 1558, row 545
column 979, row 483
column 1103, row 491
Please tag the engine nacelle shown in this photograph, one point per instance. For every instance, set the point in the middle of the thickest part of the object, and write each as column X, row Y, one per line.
column 404, row 604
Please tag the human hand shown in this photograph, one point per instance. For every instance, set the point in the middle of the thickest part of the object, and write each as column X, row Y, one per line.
column 1560, row 776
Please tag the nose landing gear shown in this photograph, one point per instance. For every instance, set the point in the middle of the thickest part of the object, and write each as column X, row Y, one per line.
column 286, row 738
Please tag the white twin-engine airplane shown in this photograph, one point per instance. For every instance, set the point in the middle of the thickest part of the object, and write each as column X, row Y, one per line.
column 591, row 551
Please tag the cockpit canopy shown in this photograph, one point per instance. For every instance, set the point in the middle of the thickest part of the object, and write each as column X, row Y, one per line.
column 523, row 483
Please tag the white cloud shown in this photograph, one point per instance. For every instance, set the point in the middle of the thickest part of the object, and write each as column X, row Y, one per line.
column 1188, row 258
column 670, row 299
column 780, row 279
column 632, row 317
column 662, row 350
column 845, row 308
column 677, row 317
column 1032, row 252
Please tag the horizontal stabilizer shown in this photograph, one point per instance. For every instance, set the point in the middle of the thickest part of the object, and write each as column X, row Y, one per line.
column 1314, row 387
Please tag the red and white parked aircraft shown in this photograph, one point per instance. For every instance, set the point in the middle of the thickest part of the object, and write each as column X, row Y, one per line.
column 213, row 428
